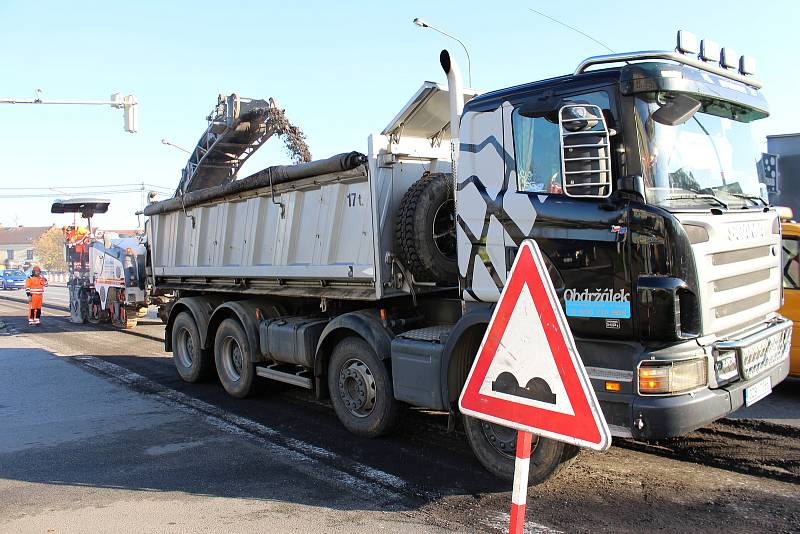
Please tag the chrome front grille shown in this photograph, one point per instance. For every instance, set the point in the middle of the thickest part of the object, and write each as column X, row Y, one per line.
column 738, row 271
column 764, row 354
column 762, row 350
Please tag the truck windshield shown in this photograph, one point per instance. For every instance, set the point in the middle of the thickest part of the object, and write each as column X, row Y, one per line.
column 710, row 160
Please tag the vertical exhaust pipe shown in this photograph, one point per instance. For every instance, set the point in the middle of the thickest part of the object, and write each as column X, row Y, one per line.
column 455, row 88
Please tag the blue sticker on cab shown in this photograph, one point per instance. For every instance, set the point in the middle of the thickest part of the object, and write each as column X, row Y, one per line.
column 604, row 303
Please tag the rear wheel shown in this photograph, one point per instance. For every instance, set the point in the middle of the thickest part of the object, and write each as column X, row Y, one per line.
column 234, row 358
column 191, row 361
column 361, row 389
column 495, row 447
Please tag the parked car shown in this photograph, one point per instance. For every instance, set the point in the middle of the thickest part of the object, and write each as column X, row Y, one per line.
column 29, row 271
column 13, row 279
column 791, row 283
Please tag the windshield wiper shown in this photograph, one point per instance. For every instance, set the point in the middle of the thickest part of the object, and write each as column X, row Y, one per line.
column 697, row 196
column 750, row 197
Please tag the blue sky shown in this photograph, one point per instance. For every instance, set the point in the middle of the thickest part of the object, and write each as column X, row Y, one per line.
column 341, row 70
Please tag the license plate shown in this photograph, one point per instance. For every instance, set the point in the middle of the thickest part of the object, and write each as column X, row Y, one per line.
column 757, row 391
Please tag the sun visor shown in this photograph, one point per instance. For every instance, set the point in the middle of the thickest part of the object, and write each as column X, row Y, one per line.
column 660, row 76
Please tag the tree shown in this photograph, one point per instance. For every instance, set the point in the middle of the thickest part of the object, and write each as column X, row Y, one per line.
column 49, row 248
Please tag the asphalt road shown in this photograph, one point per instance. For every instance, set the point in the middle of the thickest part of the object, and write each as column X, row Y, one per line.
column 782, row 406
column 431, row 476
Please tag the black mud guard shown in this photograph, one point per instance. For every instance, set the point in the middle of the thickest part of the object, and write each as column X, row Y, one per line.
column 480, row 316
column 201, row 309
column 364, row 323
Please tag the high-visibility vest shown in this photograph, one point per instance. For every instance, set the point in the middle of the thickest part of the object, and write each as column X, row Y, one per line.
column 36, row 284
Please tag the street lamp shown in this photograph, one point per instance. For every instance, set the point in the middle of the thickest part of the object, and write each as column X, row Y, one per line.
column 422, row 24
column 170, row 143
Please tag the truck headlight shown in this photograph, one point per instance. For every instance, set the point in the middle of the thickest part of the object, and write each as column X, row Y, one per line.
column 659, row 377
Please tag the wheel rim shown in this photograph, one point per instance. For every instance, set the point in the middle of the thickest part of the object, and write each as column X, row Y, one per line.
column 232, row 358
column 357, row 388
column 504, row 439
column 185, row 348
column 444, row 229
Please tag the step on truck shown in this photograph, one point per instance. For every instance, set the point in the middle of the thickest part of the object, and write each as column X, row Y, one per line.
column 370, row 277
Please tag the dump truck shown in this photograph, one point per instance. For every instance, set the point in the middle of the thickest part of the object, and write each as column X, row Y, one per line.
column 370, row 277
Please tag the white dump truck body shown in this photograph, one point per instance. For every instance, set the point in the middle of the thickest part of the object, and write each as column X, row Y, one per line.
column 318, row 234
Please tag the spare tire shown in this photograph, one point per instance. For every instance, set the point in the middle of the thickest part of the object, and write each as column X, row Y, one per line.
column 425, row 230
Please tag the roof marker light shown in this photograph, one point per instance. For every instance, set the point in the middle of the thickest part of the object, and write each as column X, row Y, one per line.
column 709, row 51
column 747, row 65
column 728, row 58
column 687, row 43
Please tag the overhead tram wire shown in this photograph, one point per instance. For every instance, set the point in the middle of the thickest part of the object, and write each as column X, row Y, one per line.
column 85, row 187
column 573, row 29
column 72, row 195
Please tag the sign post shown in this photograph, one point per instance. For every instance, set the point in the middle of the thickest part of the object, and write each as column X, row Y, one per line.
column 519, row 495
column 528, row 374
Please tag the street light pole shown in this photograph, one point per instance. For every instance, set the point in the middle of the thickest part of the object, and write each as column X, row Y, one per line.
column 170, row 143
column 422, row 24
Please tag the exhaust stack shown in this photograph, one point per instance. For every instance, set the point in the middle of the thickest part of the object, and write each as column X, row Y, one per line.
column 455, row 87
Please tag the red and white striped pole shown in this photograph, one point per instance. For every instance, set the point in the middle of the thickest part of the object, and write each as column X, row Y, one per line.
column 519, row 495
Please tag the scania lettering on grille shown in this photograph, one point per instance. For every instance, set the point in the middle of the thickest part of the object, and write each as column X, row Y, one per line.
column 746, row 230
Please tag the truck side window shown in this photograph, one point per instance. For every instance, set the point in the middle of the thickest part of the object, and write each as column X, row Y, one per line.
column 537, row 148
column 791, row 263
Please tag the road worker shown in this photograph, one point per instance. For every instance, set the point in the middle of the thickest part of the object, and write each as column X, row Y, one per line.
column 34, row 288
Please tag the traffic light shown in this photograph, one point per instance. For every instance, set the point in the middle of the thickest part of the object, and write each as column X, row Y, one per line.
column 130, row 107
column 130, row 110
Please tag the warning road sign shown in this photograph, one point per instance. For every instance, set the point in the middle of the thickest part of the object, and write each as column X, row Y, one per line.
column 528, row 374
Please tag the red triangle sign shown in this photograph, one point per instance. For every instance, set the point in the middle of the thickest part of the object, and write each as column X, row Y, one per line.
column 528, row 374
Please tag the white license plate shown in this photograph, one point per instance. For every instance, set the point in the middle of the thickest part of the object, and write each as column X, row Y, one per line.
column 757, row 391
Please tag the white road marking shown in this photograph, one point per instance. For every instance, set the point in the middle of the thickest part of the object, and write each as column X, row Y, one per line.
column 304, row 456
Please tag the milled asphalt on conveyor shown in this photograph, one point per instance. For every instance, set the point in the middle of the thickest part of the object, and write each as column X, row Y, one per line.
column 435, row 472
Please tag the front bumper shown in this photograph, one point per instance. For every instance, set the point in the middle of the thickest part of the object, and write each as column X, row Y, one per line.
column 656, row 417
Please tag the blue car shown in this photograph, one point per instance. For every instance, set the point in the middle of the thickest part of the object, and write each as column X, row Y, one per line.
column 13, row 279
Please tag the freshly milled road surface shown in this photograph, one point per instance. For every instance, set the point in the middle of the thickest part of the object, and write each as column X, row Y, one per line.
column 422, row 476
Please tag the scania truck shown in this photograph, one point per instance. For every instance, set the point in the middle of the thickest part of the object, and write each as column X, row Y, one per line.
column 370, row 277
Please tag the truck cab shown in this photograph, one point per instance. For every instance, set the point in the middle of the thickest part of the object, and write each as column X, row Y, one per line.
column 639, row 183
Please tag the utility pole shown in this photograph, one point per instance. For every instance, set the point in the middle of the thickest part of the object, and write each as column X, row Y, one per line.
column 128, row 104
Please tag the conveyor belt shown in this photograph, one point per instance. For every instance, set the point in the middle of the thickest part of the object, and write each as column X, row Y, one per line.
column 237, row 127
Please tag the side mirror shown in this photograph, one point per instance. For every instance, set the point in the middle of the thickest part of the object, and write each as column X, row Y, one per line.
column 677, row 110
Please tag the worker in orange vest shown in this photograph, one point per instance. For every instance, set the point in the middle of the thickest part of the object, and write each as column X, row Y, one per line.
column 34, row 288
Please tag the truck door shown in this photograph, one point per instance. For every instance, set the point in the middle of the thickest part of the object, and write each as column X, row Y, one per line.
column 583, row 239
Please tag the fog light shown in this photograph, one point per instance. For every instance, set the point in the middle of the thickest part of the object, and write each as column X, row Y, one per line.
column 726, row 366
column 669, row 378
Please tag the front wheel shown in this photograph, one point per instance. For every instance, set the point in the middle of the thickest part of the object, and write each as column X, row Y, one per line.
column 495, row 447
column 361, row 389
column 234, row 359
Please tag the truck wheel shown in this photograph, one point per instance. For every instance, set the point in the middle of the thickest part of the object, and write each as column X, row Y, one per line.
column 234, row 359
column 361, row 389
column 191, row 361
column 425, row 230
column 495, row 447
column 96, row 314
